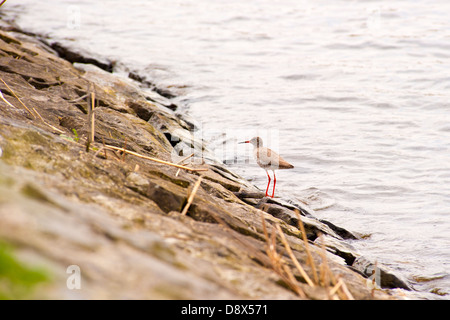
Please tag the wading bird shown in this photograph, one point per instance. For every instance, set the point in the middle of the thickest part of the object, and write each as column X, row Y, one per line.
column 268, row 160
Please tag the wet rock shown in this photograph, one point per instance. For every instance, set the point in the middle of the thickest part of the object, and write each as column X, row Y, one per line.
column 165, row 197
column 142, row 111
column 137, row 182
column 345, row 234
column 74, row 56
column 313, row 227
column 380, row 275
column 280, row 212
column 339, row 248
column 164, row 92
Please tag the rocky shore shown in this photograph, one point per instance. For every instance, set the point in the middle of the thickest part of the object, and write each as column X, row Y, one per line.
column 118, row 216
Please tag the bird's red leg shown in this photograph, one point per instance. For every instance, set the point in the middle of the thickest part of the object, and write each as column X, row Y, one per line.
column 268, row 183
column 274, row 183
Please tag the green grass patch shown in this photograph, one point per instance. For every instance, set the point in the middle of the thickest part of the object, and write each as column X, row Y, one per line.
column 17, row 280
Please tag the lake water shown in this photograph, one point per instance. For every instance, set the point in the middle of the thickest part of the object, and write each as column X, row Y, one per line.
column 355, row 94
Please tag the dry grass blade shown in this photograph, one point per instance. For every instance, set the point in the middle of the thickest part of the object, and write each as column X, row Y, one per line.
column 346, row 291
column 327, row 277
column 293, row 258
column 91, row 120
column 343, row 294
column 6, row 101
column 181, row 161
column 78, row 99
column 18, row 98
column 185, row 158
column 277, row 263
column 290, row 280
column 191, row 196
column 336, row 287
column 154, row 159
column 45, row 122
column 310, row 259
column 29, row 111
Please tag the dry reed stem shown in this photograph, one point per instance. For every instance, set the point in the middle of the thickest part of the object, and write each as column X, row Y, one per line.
column 374, row 285
column 45, row 122
column 347, row 292
column 293, row 258
column 277, row 263
column 91, row 120
column 93, row 116
column 336, row 287
column 338, row 290
column 29, row 111
column 327, row 277
column 181, row 161
column 185, row 158
column 310, row 259
column 341, row 290
column 18, row 98
column 291, row 281
column 6, row 101
column 154, row 159
column 78, row 99
column 191, row 196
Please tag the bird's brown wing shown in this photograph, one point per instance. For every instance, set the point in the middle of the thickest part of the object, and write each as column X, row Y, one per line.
column 269, row 158
column 283, row 164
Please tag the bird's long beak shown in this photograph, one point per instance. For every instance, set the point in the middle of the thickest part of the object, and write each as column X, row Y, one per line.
column 244, row 142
